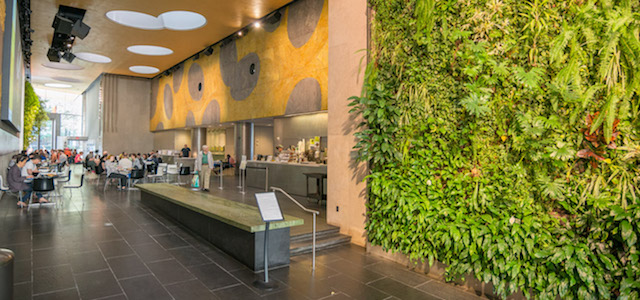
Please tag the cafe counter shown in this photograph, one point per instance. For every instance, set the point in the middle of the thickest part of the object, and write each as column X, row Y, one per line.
column 287, row 176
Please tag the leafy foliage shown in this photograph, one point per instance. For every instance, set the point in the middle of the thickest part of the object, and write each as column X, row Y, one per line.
column 502, row 139
column 34, row 114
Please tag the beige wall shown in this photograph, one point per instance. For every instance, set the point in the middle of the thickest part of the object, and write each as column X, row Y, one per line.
column 288, row 131
column 230, row 146
column 125, row 110
column 172, row 139
column 345, row 188
column 263, row 140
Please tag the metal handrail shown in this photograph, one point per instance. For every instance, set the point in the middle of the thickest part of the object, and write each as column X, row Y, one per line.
column 313, row 212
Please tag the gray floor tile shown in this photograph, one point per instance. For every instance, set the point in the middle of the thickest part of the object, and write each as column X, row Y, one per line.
column 190, row 290
column 402, row 291
column 170, row 271
column 144, row 288
column 69, row 294
column 51, row 279
column 97, row 284
column 127, row 266
column 446, row 291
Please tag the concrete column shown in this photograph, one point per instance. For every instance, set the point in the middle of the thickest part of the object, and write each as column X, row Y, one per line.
column 244, row 140
column 346, row 192
column 198, row 138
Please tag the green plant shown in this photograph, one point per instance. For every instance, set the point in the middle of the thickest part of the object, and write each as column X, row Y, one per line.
column 34, row 115
column 502, row 140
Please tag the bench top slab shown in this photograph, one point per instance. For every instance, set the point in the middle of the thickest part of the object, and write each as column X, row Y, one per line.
column 240, row 215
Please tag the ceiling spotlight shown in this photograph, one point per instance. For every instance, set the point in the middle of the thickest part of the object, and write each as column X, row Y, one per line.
column 256, row 25
column 195, row 57
column 53, row 55
column 240, row 33
column 68, row 56
column 208, row 51
column 274, row 18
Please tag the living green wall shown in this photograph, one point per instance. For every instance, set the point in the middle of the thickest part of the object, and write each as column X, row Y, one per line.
column 502, row 139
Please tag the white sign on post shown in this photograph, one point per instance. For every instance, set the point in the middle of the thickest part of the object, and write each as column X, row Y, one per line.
column 268, row 206
column 243, row 163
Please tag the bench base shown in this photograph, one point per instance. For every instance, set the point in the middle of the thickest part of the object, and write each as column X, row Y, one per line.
column 246, row 247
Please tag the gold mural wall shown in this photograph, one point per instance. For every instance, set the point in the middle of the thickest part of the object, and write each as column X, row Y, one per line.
column 290, row 66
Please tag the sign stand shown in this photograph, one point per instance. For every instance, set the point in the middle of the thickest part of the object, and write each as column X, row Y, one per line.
column 221, row 170
column 243, row 174
column 270, row 211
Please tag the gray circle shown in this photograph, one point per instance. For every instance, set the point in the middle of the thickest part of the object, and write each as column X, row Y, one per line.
column 177, row 78
column 211, row 113
column 195, row 81
column 303, row 19
column 168, row 101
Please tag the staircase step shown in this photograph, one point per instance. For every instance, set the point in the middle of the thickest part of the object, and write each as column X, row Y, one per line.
column 309, row 236
column 325, row 242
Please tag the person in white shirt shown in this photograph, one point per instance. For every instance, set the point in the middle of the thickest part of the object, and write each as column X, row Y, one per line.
column 125, row 165
column 204, row 165
column 30, row 166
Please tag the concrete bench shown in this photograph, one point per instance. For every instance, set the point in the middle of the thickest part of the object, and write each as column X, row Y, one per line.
column 235, row 228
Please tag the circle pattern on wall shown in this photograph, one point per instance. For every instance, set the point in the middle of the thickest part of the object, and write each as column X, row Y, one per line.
column 211, row 113
column 303, row 19
column 168, row 101
column 177, row 77
column 93, row 57
column 144, row 69
column 305, row 97
column 237, row 74
column 195, row 79
column 191, row 120
column 149, row 50
column 174, row 20
column 62, row 66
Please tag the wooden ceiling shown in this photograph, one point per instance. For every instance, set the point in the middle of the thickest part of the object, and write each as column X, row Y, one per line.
column 111, row 39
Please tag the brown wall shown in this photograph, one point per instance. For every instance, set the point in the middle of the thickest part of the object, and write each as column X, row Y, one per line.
column 345, row 188
column 125, row 110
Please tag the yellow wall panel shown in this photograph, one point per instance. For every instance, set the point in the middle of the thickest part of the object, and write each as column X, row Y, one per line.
column 281, row 65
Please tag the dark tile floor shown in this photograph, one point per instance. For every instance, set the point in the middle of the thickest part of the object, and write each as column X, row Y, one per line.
column 109, row 246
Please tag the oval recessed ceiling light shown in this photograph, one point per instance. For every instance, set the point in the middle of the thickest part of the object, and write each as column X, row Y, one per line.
column 144, row 69
column 67, row 79
column 92, row 57
column 174, row 20
column 58, row 85
column 135, row 19
column 182, row 20
column 149, row 50
column 62, row 66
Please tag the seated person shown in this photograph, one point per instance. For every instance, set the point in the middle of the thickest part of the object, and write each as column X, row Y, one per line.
column 30, row 167
column 16, row 182
column 230, row 163
column 138, row 164
column 125, row 165
column 112, row 171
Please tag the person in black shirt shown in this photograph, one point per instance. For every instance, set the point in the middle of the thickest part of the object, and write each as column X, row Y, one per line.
column 185, row 151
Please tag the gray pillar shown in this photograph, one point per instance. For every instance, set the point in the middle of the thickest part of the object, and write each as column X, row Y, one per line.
column 6, row 274
column 198, row 139
column 244, row 140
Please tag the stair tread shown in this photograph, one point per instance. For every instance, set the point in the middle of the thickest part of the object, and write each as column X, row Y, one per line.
column 309, row 236
column 324, row 242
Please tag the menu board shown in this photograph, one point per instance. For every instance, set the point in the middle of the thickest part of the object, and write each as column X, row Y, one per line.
column 268, row 206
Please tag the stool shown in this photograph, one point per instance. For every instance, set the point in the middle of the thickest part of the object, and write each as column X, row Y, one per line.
column 319, row 177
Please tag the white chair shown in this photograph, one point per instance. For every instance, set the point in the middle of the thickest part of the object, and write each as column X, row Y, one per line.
column 162, row 169
column 173, row 170
column 5, row 189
